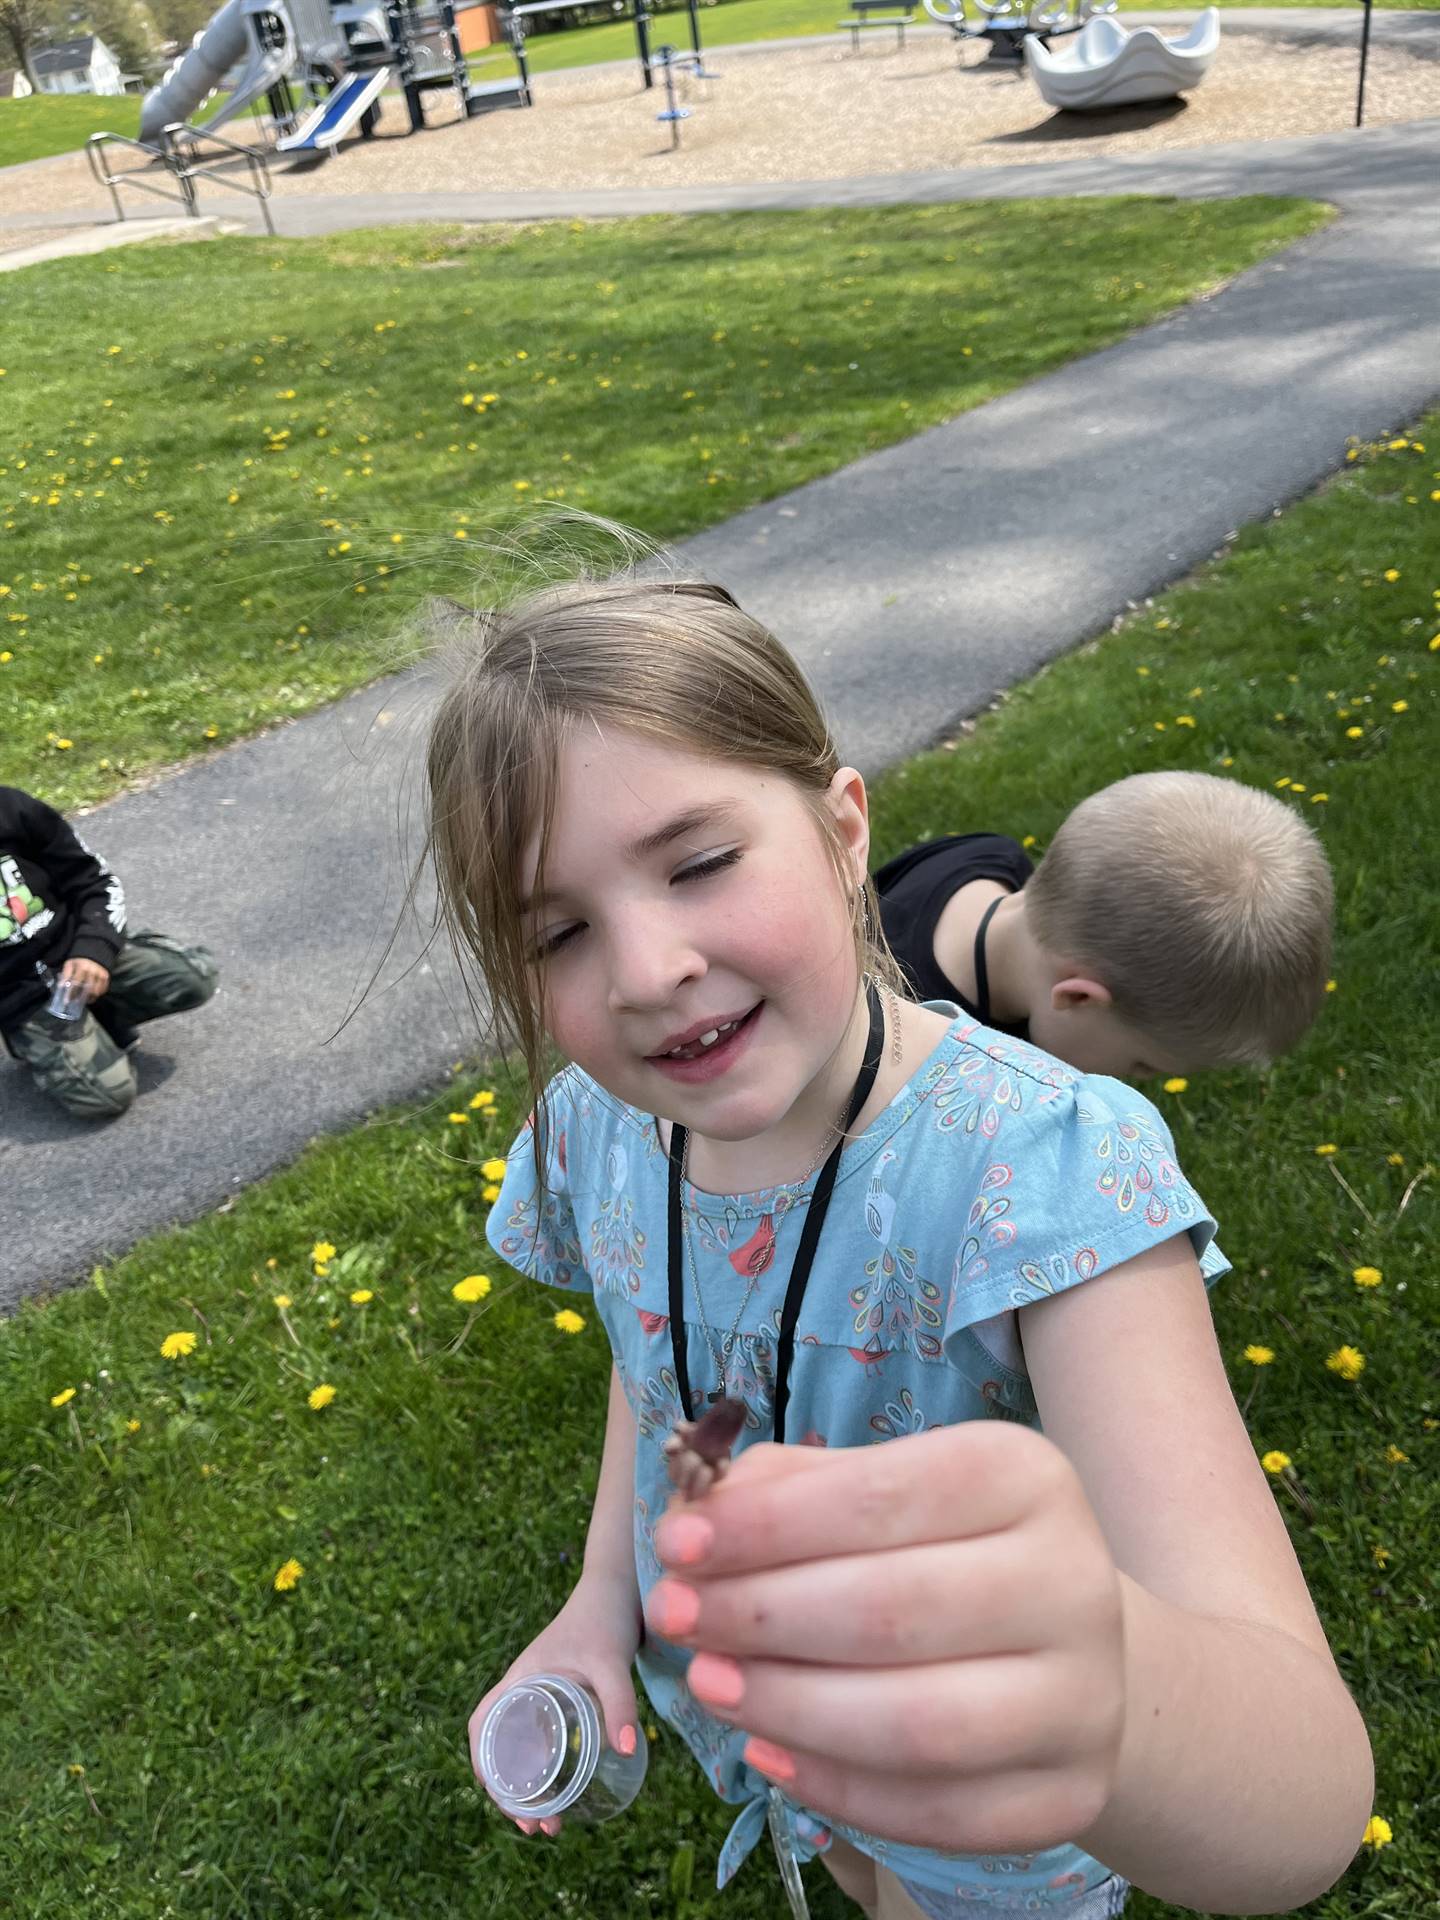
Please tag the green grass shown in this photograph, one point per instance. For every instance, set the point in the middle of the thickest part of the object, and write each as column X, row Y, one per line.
column 49, row 123
column 253, row 457
column 247, row 1753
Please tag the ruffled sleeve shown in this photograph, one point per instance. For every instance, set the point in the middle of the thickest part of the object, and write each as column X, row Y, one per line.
column 1077, row 1183
column 535, row 1234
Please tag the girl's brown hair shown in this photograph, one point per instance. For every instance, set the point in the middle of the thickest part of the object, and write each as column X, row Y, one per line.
column 675, row 660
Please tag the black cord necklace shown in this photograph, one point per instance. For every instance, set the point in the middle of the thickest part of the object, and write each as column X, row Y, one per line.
column 809, row 1235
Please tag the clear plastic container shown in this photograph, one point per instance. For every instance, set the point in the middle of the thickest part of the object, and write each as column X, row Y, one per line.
column 67, row 998
column 541, row 1750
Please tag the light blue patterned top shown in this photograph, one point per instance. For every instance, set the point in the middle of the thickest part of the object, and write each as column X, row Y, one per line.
column 995, row 1177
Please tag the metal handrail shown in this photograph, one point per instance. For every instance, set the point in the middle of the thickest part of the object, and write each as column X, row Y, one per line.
column 259, row 186
column 94, row 153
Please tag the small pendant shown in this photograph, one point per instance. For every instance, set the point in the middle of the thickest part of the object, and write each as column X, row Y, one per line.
column 713, row 1398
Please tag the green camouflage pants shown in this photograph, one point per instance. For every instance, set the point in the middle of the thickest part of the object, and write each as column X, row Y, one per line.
column 76, row 1062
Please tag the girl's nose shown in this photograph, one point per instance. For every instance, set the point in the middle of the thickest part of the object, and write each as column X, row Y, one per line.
column 652, row 956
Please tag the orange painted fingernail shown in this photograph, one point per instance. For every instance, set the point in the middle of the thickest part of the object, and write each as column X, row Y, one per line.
column 769, row 1759
column 715, row 1680
column 684, row 1538
column 673, row 1607
column 626, row 1742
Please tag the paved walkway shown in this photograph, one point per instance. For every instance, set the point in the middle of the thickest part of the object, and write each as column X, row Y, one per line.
column 912, row 585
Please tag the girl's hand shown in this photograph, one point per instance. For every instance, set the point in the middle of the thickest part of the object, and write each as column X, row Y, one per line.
column 925, row 1638
column 594, row 1638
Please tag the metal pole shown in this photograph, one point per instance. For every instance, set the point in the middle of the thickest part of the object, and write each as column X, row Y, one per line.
column 694, row 7
column 642, row 40
column 1364, row 57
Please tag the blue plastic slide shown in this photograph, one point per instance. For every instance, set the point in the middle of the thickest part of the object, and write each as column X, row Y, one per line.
column 335, row 116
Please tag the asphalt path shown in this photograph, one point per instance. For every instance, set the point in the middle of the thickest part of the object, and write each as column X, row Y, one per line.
column 912, row 586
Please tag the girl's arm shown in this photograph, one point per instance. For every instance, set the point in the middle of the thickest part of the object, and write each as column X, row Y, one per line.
column 1245, row 1777
column 610, row 1542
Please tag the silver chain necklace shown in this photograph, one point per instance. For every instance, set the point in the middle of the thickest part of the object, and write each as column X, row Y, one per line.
column 790, row 1193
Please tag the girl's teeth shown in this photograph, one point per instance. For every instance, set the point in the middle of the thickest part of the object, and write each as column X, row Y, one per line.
column 702, row 1040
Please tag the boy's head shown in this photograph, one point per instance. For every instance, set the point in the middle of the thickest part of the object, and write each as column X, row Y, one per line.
column 1177, row 921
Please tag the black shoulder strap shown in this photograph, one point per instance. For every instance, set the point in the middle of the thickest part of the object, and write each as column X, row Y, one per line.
column 982, row 971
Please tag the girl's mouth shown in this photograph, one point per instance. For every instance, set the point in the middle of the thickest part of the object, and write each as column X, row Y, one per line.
column 707, row 1057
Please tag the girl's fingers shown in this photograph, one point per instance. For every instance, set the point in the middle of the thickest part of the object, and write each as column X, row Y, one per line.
column 906, row 1608
column 1022, row 1811
column 950, row 1484
column 955, row 1720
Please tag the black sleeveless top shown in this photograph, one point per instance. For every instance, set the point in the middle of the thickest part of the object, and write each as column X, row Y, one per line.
column 913, row 891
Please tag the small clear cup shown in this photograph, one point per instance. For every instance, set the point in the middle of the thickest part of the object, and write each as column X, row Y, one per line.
column 67, row 998
column 541, row 1751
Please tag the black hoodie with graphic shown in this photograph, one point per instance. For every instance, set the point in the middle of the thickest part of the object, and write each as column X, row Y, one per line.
column 57, row 903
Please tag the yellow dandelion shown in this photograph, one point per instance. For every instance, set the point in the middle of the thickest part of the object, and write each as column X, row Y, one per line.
column 359, row 1297
column 288, row 1576
column 1348, row 1362
column 1399, row 706
column 1381, row 1556
column 1317, row 798
column 321, row 1396
column 176, row 1345
column 321, row 1252
column 1367, row 1276
column 1377, row 1832
column 132, row 1426
column 1259, row 1356
column 492, row 1170
column 458, row 1119
column 1177, row 1083
column 63, row 1398
column 1354, row 733
column 485, row 1098
column 568, row 1321
column 1394, row 1159
column 490, row 1195
column 1395, row 1456
column 1326, row 1148
column 322, row 1271
column 1392, row 574
column 473, row 1287
column 1274, row 1461
column 282, row 1301
column 1330, row 985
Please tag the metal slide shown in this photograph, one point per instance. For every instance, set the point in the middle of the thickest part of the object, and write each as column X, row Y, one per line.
column 242, row 30
column 334, row 117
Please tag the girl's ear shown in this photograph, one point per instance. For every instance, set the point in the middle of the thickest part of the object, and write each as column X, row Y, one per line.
column 850, row 805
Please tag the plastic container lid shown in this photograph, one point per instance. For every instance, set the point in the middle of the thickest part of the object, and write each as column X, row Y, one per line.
column 523, row 1744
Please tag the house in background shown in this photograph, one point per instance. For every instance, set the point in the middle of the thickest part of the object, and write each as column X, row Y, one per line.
column 85, row 65
column 14, row 85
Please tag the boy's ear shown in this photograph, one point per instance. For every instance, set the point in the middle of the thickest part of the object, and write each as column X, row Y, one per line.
column 1066, row 996
column 850, row 805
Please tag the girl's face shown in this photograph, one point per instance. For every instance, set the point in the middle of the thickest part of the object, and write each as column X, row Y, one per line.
column 689, row 898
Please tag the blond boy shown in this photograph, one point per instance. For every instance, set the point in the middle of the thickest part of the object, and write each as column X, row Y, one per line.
column 1177, row 921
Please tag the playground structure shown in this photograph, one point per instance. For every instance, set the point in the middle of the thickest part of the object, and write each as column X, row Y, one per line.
column 1009, row 26
column 1108, row 65
column 321, row 68
column 513, row 18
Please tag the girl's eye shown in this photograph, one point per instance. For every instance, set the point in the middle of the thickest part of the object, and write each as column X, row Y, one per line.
column 552, row 943
column 716, row 863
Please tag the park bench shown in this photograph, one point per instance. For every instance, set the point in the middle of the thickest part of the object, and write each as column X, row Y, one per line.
column 876, row 13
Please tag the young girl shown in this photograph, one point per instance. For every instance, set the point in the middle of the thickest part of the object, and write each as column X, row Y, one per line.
column 968, row 1665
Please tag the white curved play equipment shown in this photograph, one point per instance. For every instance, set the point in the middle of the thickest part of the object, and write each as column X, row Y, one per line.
column 1009, row 26
column 1108, row 65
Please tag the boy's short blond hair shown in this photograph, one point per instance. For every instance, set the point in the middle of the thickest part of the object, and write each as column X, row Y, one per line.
column 1204, row 906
